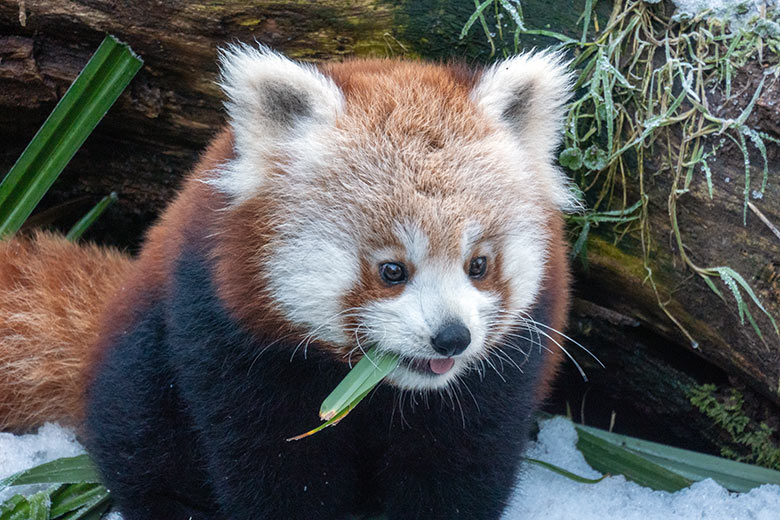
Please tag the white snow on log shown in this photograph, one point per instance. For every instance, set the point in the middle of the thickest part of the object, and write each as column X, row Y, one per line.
column 734, row 11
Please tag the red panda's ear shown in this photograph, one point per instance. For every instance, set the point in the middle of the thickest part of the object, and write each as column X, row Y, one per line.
column 272, row 101
column 528, row 94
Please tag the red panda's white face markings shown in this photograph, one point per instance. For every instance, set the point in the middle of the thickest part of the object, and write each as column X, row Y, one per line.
column 439, row 322
column 405, row 207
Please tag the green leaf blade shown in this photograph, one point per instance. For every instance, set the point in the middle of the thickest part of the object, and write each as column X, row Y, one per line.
column 565, row 473
column 78, row 469
column 611, row 458
column 689, row 465
column 74, row 497
column 355, row 386
column 87, row 220
column 369, row 371
column 79, row 111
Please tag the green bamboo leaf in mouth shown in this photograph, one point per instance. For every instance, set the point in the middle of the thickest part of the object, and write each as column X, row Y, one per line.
column 357, row 384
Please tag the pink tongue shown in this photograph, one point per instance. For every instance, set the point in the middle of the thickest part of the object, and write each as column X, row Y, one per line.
column 441, row 366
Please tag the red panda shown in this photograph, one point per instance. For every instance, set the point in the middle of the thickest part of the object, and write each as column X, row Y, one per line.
column 409, row 206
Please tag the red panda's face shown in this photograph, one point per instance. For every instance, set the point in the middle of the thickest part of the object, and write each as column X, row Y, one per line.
column 406, row 207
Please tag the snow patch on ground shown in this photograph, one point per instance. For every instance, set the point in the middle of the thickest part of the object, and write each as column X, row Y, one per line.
column 544, row 495
column 541, row 494
column 19, row 452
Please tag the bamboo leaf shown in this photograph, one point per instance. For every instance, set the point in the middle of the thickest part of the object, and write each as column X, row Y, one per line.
column 365, row 375
column 39, row 506
column 357, row 384
column 93, row 509
column 71, row 497
column 16, row 507
column 335, row 420
column 84, row 104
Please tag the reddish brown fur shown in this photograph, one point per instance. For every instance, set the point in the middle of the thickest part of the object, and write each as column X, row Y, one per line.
column 195, row 206
column 242, row 241
column 52, row 292
column 557, row 284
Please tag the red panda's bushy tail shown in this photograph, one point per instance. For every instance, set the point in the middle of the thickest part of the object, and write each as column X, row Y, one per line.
column 51, row 292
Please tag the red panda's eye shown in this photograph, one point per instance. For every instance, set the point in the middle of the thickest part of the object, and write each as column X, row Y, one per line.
column 393, row 272
column 478, row 267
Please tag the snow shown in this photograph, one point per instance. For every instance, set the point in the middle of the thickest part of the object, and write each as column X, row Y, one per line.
column 739, row 11
column 541, row 494
column 19, row 452
column 544, row 495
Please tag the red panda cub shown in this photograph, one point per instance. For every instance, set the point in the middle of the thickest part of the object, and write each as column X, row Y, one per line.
column 409, row 206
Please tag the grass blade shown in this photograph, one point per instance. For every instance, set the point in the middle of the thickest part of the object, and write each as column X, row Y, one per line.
column 586, row 20
column 565, row 473
column 84, row 104
column 70, row 469
column 87, row 220
column 474, row 16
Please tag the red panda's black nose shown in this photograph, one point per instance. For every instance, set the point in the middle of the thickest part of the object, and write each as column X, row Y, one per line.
column 452, row 339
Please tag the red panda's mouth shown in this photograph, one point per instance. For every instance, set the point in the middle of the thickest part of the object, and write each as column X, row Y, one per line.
column 433, row 366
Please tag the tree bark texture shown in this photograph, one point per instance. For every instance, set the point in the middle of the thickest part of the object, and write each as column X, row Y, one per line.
column 154, row 133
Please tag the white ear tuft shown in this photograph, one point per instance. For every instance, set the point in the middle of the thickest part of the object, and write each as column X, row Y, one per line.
column 272, row 101
column 528, row 95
